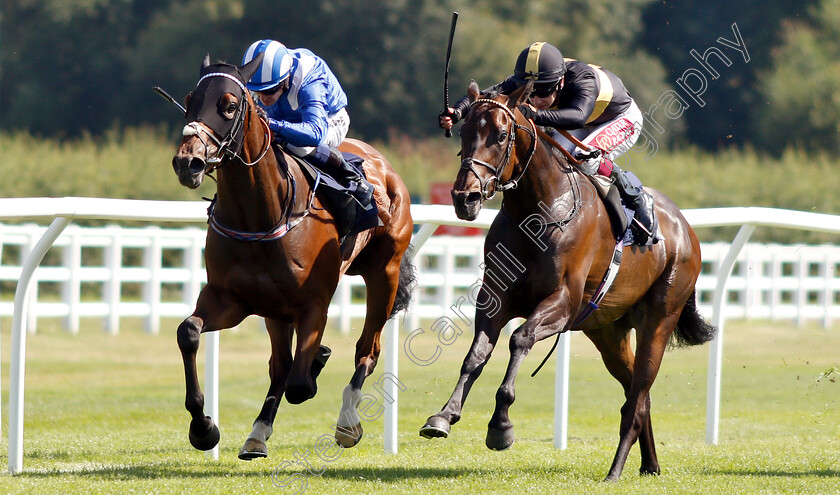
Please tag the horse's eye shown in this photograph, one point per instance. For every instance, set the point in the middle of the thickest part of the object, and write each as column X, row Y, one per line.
column 502, row 137
column 229, row 109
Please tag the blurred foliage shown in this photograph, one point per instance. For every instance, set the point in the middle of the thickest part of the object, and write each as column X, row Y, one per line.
column 800, row 91
column 71, row 67
column 733, row 104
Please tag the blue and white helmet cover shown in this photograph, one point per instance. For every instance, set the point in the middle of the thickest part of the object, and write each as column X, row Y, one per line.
column 274, row 68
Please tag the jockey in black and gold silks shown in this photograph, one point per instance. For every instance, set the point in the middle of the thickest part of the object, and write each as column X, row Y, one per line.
column 589, row 102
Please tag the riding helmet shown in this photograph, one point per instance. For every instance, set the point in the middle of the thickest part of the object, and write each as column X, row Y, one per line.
column 542, row 62
column 274, row 68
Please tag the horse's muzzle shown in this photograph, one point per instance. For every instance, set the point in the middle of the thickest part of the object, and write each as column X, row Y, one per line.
column 467, row 204
column 189, row 169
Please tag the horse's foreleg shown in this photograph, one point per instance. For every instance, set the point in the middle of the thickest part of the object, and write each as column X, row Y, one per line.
column 549, row 318
column 300, row 384
column 279, row 365
column 487, row 330
column 204, row 434
column 635, row 413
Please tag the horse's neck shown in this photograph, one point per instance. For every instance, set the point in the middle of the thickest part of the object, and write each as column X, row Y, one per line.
column 546, row 186
column 252, row 197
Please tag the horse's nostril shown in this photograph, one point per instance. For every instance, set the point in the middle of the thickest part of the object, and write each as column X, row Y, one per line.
column 196, row 165
column 473, row 197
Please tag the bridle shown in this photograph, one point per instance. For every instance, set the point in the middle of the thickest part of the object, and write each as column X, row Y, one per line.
column 228, row 145
column 497, row 171
column 231, row 148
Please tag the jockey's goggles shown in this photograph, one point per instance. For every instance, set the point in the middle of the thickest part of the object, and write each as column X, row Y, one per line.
column 544, row 91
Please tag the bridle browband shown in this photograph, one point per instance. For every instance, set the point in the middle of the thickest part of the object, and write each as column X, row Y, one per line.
column 224, row 144
column 497, row 171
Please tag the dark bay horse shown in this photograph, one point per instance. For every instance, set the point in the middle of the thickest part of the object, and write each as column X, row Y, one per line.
column 547, row 272
column 273, row 251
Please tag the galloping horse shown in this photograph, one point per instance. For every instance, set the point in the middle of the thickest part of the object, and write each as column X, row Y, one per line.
column 273, row 251
column 547, row 273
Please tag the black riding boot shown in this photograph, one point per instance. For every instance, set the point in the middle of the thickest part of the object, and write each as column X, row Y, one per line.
column 336, row 166
column 640, row 201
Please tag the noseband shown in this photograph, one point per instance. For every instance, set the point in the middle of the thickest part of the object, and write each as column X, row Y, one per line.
column 497, row 171
column 224, row 145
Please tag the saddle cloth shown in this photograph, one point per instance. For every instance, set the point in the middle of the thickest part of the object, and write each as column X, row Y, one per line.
column 350, row 217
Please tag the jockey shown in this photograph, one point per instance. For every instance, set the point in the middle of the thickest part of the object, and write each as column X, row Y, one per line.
column 306, row 109
column 589, row 102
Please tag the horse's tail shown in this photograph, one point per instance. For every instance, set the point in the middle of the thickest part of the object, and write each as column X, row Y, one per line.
column 406, row 284
column 692, row 329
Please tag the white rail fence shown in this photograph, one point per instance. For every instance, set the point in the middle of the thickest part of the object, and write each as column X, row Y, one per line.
column 112, row 273
column 799, row 282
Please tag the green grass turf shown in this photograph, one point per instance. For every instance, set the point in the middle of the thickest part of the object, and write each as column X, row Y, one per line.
column 104, row 414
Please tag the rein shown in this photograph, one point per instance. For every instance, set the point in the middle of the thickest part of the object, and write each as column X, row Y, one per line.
column 497, row 171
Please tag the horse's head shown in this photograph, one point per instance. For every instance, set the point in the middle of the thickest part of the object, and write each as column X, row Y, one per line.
column 216, row 112
column 488, row 149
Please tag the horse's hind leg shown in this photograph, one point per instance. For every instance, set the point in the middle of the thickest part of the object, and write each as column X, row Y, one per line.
column 651, row 341
column 381, row 291
column 211, row 313
column 279, row 365
column 613, row 342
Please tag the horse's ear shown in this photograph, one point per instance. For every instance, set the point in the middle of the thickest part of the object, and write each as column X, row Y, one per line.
column 206, row 62
column 521, row 95
column 247, row 71
column 473, row 91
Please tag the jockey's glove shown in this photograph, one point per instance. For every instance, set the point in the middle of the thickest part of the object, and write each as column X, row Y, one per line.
column 528, row 111
column 455, row 115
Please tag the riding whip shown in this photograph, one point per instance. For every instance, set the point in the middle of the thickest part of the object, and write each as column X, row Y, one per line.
column 448, row 132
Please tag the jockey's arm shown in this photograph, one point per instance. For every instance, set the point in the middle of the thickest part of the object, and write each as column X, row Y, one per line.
column 574, row 114
column 313, row 125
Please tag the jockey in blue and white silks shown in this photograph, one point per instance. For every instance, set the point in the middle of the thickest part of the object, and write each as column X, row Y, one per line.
column 306, row 108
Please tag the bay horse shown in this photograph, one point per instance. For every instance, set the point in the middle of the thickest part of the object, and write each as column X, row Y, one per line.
column 548, row 274
column 274, row 251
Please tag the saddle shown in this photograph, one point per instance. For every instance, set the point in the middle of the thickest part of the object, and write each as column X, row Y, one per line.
column 350, row 217
column 621, row 217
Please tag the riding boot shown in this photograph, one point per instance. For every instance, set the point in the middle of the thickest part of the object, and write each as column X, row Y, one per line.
column 333, row 163
column 639, row 200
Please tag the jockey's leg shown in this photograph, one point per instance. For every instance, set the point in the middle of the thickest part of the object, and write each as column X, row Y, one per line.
column 332, row 162
column 639, row 200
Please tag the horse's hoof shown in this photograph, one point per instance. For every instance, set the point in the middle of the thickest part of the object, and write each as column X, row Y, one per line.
column 253, row 449
column 204, row 440
column 435, row 427
column 499, row 439
column 348, row 436
column 649, row 471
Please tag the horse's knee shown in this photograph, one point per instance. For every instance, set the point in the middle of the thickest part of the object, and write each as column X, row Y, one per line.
column 521, row 342
column 189, row 332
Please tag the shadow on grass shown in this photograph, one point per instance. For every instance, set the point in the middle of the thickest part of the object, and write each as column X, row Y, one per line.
column 360, row 474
